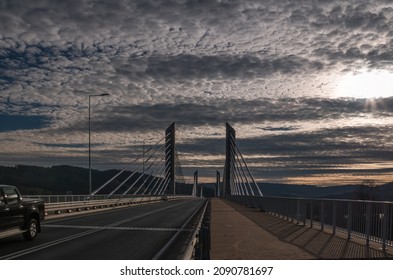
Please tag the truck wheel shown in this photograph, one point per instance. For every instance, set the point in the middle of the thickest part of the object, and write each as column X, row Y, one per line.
column 31, row 230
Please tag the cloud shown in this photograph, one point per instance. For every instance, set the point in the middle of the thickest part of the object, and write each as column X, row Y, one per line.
column 331, row 153
column 284, row 128
column 354, row 142
column 136, row 47
column 268, row 67
column 219, row 67
column 196, row 112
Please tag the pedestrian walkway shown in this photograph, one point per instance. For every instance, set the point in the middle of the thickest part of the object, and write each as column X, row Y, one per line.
column 240, row 232
column 234, row 236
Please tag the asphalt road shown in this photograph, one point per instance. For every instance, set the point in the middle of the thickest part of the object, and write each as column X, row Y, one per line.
column 137, row 232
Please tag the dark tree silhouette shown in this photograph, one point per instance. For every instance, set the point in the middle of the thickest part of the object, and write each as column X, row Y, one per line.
column 367, row 191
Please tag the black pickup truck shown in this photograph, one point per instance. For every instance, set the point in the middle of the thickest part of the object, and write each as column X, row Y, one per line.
column 18, row 215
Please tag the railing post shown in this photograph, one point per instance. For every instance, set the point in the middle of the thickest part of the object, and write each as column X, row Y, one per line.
column 322, row 215
column 297, row 211
column 311, row 213
column 334, row 216
column 368, row 222
column 349, row 220
column 384, row 226
column 286, row 210
column 274, row 207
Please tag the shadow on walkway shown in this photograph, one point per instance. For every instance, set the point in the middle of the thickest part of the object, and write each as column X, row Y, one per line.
column 321, row 244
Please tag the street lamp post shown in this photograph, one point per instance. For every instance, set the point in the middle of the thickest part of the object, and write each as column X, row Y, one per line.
column 143, row 165
column 90, row 96
column 143, row 161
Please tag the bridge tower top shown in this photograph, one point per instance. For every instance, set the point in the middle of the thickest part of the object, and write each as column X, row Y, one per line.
column 229, row 159
column 170, row 153
column 237, row 179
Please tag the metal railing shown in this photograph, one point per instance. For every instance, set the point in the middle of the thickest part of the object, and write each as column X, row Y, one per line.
column 57, row 204
column 80, row 198
column 369, row 220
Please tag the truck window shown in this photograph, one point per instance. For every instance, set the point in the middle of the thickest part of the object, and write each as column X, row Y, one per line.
column 12, row 195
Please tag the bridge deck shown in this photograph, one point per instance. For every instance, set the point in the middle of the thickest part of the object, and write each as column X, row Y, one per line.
column 239, row 232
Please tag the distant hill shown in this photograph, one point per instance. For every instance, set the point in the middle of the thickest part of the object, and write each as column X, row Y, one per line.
column 385, row 192
column 64, row 179
column 356, row 192
column 307, row 191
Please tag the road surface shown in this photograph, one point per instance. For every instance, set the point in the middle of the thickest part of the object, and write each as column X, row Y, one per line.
column 137, row 232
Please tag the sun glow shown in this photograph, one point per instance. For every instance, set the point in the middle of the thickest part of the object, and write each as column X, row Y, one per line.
column 366, row 84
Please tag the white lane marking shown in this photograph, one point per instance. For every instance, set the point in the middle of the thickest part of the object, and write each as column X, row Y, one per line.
column 163, row 249
column 75, row 236
column 45, row 245
column 116, row 228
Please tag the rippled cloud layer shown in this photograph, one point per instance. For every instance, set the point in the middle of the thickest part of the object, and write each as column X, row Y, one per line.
column 283, row 73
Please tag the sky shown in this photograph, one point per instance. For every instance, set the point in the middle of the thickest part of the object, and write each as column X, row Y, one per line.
column 307, row 84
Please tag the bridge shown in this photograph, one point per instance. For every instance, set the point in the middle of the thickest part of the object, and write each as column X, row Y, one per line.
column 148, row 211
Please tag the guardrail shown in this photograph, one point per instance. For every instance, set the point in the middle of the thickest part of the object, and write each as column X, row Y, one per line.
column 370, row 220
column 77, row 198
column 201, row 235
column 186, row 254
column 66, row 204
